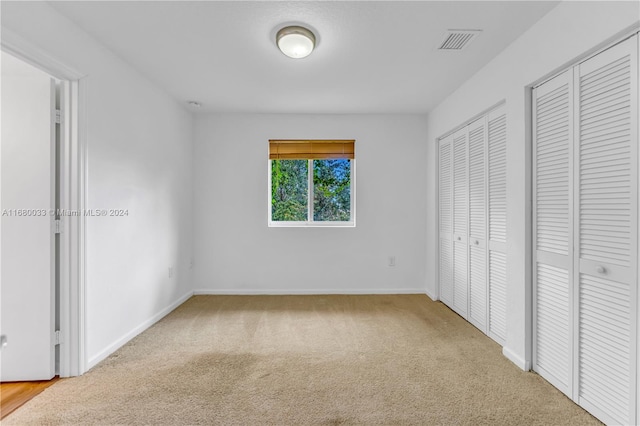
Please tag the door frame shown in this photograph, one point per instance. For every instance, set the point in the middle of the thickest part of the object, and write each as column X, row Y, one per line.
column 73, row 197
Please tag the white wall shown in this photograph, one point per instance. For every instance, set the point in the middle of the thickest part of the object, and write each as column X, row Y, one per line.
column 140, row 156
column 236, row 252
column 568, row 32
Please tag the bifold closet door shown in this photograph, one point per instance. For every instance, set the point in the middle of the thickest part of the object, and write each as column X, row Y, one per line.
column 445, row 219
column 553, row 230
column 606, row 231
column 472, row 222
column 460, row 225
column 477, row 224
column 586, row 232
column 497, row 210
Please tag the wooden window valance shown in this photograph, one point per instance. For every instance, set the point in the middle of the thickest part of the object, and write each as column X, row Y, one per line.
column 290, row 149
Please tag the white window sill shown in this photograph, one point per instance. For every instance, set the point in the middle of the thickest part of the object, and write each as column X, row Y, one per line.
column 278, row 224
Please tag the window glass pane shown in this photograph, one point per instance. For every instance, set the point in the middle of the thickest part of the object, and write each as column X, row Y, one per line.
column 332, row 190
column 289, row 185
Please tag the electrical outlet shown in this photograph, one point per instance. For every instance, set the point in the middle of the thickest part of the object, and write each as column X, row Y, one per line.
column 170, row 271
column 392, row 261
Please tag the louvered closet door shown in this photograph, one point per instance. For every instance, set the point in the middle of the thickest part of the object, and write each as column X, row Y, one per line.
column 497, row 197
column 477, row 224
column 607, row 232
column 445, row 219
column 553, row 176
column 460, row 226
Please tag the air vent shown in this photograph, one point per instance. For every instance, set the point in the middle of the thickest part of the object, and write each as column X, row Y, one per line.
column 458, row 39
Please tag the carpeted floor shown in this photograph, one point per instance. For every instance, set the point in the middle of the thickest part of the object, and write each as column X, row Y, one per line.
column 306, row 360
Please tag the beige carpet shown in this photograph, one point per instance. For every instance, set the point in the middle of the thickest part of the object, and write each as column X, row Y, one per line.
column 306, row 360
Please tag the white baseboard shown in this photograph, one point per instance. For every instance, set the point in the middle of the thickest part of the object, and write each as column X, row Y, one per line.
column 281, row 292
column 517, row 360
column 103, row 354
column 431, row 296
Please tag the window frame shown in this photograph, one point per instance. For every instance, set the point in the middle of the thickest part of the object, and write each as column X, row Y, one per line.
column 310, row 223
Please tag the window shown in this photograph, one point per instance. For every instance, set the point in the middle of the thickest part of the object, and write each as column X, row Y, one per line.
column 311, row 183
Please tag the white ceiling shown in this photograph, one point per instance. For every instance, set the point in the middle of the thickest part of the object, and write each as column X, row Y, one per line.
column 371, row 57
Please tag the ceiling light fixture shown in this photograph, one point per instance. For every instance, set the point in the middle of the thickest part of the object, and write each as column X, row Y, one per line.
column 296, row 42
column 194, row 104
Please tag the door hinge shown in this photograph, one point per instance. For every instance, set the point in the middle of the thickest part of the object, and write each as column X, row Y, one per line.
column 58, row 339
column 58, row 116
column 57, row 226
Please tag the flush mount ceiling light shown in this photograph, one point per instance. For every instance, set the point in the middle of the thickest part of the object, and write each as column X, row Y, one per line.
column 295, row 42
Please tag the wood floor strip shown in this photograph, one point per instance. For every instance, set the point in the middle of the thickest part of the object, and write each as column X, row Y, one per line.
column 15, row 394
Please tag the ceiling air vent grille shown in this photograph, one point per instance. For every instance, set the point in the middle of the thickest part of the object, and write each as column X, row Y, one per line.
column 458, row 39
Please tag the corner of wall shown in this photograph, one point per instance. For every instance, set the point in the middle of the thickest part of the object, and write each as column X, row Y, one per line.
column 522, row 363
column 431, row 295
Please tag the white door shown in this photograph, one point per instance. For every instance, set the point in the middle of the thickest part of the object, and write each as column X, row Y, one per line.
column 477, row 224
column 497, row 198
column 460, row 226
column 445, row 220
column 586, row 232
column 606, row 232
column 553, row 230
column 27, row 242
column 473, row 222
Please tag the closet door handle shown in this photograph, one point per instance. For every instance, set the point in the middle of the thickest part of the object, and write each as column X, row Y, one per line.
column 459, row 238
column 601, row 270
column 476, row 242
